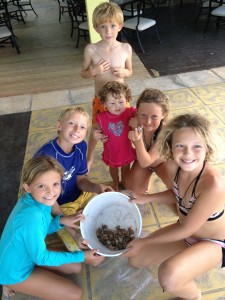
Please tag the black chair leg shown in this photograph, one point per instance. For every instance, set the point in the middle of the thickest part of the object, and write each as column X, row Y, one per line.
column 200, row 11
column 218, row 23
column 157, row 34
column 34, row 10
column 59, row 14
column 207, row 22
column 78, row 38
column 71, row 34
column 139, row 41
column 14, row 44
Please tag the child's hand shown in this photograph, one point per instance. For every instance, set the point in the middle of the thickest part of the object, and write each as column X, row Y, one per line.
column 135, row 135
column 81, row 243
column 101, row 67
column 104, row 188
column 118, row 72
column 93, row 258
column 99, row 136
column 134, row 247
column 136, row 198
column 70, row 221
column 133, row 122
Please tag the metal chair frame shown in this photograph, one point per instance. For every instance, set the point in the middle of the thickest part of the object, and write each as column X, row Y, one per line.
column 139, row 19
column 78, row 18
column 5, row 24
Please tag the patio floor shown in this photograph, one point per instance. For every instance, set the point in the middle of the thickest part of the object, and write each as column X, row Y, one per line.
column 27, row 120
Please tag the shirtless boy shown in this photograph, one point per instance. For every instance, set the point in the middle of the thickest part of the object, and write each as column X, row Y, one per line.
column 106, row 60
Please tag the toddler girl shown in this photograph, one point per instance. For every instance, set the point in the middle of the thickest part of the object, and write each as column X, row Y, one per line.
column 113, row 126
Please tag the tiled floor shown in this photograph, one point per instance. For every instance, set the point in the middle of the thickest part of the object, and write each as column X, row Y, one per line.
column 28, row 120
column 201, row 92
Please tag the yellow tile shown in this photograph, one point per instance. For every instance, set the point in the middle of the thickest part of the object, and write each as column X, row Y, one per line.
column 214, row 296
column 210, row 94
column 219, row 110
column 182, row 98
column 212, row 280
column 156, row 185
column 99, row 170
column 36, row 139
column 204, row 111
column 147, row 215
column 165, row 213
column 45, row 119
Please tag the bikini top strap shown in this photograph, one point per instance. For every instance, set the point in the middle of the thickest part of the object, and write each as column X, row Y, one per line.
column 177, row 175
column 154, row 138
column 197, row 179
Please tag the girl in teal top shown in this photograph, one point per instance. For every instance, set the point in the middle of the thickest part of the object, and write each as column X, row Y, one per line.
column 26, row 265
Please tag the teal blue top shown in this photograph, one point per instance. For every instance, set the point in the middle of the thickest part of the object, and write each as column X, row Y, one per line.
column 22, row 244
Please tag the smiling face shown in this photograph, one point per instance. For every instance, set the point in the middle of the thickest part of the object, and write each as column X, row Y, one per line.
column 46, row 188
column 72, row 130
column 149, row 116
column 108, row 31
column 115, row 105
column 188, row 149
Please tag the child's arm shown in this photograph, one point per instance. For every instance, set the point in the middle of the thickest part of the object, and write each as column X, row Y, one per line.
column 144, row 158
column 161, row 197
column 84, row 184
column 97, row 133
column 211, row 194
column 71, row 221
column 127, row 71
column 89, row 70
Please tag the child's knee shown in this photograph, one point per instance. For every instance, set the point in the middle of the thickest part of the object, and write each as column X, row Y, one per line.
column 169, row 276
column 74, row 293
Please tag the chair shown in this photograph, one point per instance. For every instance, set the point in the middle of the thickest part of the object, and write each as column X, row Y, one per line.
column 219, row 12
column 78, row 19
column 206, row 8
column 130, row 11
column 25, row 5
column 14, row 10
column 63, row 7
column 6, row 31
column 140, row 23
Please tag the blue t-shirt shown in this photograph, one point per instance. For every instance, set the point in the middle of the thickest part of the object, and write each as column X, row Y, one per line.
column 74, row 163
column 22, row 244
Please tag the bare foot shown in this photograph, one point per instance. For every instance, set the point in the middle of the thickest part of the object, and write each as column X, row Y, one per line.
column 7, row 292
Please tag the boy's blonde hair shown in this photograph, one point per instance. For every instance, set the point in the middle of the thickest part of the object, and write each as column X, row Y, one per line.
column 116, row 89
column 35, row 167
column 197, row 122
column 157, row 97
column 107, row 12
column 77, row 109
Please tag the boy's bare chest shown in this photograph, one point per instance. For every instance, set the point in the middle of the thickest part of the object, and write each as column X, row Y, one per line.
column 115, row 57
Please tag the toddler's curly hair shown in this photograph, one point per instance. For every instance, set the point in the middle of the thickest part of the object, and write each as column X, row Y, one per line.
column 116, row 89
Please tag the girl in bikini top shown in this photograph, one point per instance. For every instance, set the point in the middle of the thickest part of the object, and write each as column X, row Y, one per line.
column 185, row 208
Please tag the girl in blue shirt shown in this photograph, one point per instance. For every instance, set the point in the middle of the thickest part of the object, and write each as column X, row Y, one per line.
column 26, row 266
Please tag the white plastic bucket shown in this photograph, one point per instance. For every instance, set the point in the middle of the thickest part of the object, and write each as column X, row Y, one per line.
column 111, row 209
